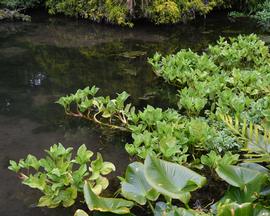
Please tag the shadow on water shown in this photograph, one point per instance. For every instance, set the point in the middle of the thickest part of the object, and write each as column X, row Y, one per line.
column 50, row 57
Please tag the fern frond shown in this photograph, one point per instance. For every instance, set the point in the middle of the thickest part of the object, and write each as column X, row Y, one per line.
column 256, row 139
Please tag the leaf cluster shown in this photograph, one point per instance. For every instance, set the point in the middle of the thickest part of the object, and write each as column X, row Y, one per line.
column 60, row 177
column 85, row 104
column 144, row 183
column 231, row 77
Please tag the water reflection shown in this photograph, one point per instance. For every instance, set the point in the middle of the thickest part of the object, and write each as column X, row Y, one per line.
column 37, row 79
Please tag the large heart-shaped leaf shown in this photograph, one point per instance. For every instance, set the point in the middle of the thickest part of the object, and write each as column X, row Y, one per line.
column 171, row 179
column 115, row 205
column 135, row 186
column 239, row 176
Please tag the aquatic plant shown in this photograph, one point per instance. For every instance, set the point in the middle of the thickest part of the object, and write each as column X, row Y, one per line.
column 114, row 112
column 248, row 192
column 59, row 177
column 144, row 183
column 165, row 133
column 231, row 77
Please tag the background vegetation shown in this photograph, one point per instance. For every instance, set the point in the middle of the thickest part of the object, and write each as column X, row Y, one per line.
column 124, row 12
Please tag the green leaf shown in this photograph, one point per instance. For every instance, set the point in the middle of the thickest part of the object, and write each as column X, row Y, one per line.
column 135, row 186
column 103, row 182
column 80, row 212
column 58, row 151
column 32, row 161
column 97, row 164
column 14, row 166
column 94, row 90
column 114, row 205
column 171, row 179
column 36, row 181
column 83, row 155
column 68, row 196
column 78, row 176
column 238, row 176
column 244, row 209
column 107, row 167
column 47, row 201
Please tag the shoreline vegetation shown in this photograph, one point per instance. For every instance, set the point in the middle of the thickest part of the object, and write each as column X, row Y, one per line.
column 124, row 13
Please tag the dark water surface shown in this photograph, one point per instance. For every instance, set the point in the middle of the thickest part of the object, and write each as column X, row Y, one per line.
column 50, row 57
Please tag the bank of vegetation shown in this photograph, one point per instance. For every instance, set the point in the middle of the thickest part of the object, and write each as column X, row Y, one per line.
column 209, row 156
column 125, row 12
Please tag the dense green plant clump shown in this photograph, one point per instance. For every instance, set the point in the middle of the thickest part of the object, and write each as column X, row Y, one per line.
column 18, row 4
column 123, row 12
column 60, row 178
column 14, row 9
column 164, row 133
column 112, row 11
column 231, row 77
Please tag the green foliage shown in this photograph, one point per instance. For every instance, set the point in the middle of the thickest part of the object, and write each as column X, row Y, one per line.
column 7, row 14
column 162, row 209
column 90, row 107
column 246, row 194
column 115, row 205
column 248, row 209
column 192, row 100
column 255, row 138
column 158, row 132
column 190, row 67
column 59, row 177
column 112, row 11
column 169, row 11
column 162, row 12
column 231, row 77
column 213, row 160
column 171, row 179
column 80, row 212
column 13, row 9
column 144, row 183
column 123, row 12
column 173, row 137
column 240, row 176
column 243, row 52
column 166, row 133
column 262, row 15
column 19, row 4
column 135, row 186
column 259, row 10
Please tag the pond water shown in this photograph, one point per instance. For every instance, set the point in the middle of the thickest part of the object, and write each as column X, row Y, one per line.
column 50, row 57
